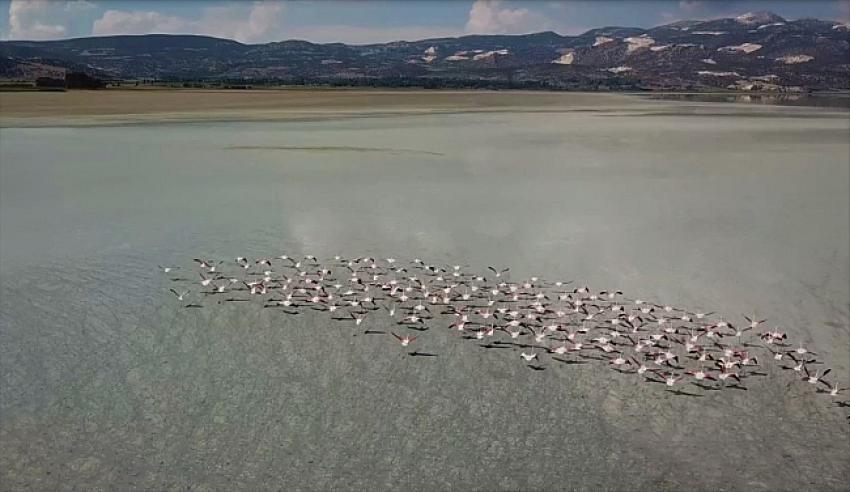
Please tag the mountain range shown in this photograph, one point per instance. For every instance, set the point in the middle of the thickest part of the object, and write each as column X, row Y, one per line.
column 754, row 51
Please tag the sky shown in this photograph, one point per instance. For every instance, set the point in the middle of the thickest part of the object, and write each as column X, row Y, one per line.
column 369, row 21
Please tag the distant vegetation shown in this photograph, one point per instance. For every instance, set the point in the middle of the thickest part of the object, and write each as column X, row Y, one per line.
column 754, row 52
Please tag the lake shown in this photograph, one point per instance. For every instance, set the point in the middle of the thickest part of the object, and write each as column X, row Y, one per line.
column 107, row 382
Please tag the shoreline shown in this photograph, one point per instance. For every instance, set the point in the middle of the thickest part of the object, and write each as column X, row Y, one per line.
column 194, row 101
column 82, row 108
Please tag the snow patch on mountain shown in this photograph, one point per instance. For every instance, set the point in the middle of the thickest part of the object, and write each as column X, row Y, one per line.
column 708, row 73
column 743, row 48
column 600, row 40
column 565, row 59
column 795, row 59
column 482, row 55
column 758, row 18
column 638, row 43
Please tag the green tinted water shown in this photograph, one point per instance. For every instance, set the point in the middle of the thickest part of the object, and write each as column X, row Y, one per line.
column 731, row 212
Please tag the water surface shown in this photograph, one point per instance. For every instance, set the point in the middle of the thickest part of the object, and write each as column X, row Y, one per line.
column 107, row 382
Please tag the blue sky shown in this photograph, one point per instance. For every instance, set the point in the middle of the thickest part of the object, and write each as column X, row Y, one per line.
column 367, row 21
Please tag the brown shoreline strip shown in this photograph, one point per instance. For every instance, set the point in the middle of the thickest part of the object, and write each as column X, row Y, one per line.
column 333, row 148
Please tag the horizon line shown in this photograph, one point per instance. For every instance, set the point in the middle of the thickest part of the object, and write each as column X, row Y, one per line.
column 197, row 35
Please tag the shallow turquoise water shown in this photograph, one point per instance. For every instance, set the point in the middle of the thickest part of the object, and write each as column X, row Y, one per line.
column 601, row 198
column 728, row 212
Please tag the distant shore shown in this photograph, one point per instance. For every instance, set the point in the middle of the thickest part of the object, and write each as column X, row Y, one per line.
column 139, row 106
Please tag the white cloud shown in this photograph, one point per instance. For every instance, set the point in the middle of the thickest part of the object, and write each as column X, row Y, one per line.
column 78, row 5
column 264, row 17
column 691, row 6
column 842, row 7
column 367, row 35
column 262, row 22
column 491, row 17
column 699, row 10
column 36, row 19
column 137, row 22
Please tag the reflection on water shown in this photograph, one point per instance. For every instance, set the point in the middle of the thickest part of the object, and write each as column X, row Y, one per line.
column 832, row 100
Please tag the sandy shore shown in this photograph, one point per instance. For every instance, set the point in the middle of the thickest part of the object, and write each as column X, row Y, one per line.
column 140, row 106
column 110, row 104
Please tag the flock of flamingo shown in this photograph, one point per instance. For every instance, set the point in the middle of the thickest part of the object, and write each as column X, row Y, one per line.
column 539, row 319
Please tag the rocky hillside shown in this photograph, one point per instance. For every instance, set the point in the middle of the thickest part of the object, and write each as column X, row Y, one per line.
column 756, row 51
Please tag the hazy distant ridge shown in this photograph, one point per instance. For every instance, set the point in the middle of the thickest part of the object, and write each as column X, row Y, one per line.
column 757, row 51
